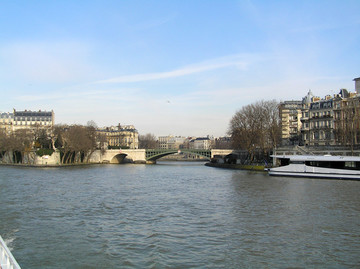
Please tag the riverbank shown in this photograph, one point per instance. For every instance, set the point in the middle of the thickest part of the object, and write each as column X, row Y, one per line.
column 47, row 165
column 260, row 168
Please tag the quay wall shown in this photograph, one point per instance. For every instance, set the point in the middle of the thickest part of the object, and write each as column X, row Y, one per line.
column 31, row 158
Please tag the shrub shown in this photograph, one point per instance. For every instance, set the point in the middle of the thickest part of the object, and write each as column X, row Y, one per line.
column 42, row 152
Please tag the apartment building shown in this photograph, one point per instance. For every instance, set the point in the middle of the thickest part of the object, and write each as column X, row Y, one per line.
column 357, row 85
column 27, row 119
column 347, row 119
column 290, row 117
column 202, row 143
column 333, row 120
column 171, row 142
column 6, row 121
column 321, row 123
column 120, row 136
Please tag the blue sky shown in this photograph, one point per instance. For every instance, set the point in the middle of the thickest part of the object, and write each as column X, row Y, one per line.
column 172, row 67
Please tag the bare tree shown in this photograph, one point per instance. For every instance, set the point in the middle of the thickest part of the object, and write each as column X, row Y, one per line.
column 3, row 143
column 21, row 142
column 256, row 127
column 91, row 141
column 101, row 142
column 148, row 141
column 273, row 123
column 223, row 143
column 92, row 123
column 347, row 129
column 244, row 130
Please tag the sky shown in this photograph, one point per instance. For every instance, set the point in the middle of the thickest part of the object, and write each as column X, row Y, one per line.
column 172, row 67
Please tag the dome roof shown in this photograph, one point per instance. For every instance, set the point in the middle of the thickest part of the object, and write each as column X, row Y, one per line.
column 308, row 97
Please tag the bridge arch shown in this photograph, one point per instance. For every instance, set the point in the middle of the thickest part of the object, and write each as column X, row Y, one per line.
column 118, row 158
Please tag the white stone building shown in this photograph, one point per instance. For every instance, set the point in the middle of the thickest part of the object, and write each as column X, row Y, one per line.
column 26, row 119
column 171, row 142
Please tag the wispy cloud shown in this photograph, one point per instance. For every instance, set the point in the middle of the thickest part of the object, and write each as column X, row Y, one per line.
column 188, row 70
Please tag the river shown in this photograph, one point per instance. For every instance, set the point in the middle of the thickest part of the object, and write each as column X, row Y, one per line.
column 177, row 215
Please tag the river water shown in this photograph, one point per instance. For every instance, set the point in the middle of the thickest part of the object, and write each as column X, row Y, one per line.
column 177, row 215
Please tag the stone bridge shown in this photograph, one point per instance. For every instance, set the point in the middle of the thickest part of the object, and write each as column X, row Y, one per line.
column 148, row 155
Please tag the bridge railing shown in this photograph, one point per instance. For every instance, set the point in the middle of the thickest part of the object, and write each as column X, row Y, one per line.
column 150, row 153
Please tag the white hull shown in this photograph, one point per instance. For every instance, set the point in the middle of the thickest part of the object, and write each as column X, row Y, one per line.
column 302, row 170
column 7, row 261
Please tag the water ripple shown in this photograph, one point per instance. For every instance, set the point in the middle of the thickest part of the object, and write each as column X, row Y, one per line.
column 177, row 216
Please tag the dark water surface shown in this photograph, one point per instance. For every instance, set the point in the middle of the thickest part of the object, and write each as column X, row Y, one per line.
column 177, row 215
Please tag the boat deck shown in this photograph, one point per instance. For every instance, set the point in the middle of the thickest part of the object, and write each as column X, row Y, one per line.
column 7, row 260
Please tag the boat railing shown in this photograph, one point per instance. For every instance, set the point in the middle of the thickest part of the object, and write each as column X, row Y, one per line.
column 7, row 260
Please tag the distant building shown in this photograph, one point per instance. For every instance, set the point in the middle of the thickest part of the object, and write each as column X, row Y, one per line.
column 121, row 136
column 321, row 123
column 357, row 85
column 202, row 143
column 290, row 115
column 323, row 120
column 346, row 119
column 171, row 142
column 333, row 120
column 223, row 143
column 27, row 119
column 6, row 121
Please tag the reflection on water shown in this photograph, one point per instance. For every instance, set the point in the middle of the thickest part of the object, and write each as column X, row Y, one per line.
column 177, row 215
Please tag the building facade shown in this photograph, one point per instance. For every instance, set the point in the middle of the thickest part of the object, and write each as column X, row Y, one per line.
column 6, row 122
column 357, row 85
column 202, row 143
column 321, row 122
column 347, row 120
column 27, row 119
column 333, row 120
column 171, row 142
column 125, row 136
column 290, row 117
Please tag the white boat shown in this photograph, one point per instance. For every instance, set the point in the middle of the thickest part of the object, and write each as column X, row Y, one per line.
column 343, row 167
column 7, row 260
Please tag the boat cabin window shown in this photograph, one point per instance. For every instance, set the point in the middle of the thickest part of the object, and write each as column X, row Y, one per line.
column 297, row 162
column 352, row 165
column 334, row 164
column 284, row 162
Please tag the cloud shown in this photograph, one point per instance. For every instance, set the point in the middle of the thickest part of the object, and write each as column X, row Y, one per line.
column 188, row 70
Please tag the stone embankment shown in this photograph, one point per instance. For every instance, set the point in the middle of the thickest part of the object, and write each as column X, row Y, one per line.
column 259, row 168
